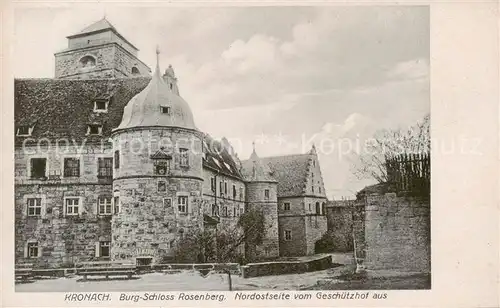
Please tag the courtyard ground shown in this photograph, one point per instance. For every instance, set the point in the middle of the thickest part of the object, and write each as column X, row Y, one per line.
column 339, row 277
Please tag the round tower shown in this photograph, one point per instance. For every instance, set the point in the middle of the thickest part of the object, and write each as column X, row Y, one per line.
column 157, row 178
column 262, row 195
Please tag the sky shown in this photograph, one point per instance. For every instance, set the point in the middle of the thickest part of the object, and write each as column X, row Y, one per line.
column 283, row 77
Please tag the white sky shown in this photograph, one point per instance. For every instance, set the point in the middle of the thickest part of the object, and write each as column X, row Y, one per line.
column 276, row 75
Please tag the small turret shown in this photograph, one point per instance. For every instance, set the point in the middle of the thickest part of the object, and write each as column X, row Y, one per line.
column 170, row 79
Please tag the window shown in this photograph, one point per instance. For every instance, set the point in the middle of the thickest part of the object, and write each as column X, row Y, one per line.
column 183, row 204
column 288, row 235
column 101, row 105
column 312, row 188
column 104, row 205
column 318, row 210
column 105, row 167
column 116, row 204
column 266, row 194
column 71, row 167
column 24, row 130
column 32, row 250
column 212, row 184
column 104, row 247
column 234, row 191
column 221, row 190
column 319, row 189
column 165, row 110
column 38, row 167
column 323, row 208
column 225, row 211
column 72, row 206
column 184, row 157
column 241, row 211
column 167, row 202
column 135, row 71
column 34, row 206
column 241, row 193
column 117, row 159
column 162, row 186
column 87, row 62
column 309, row 207
column 94, row 129
column 286, row 206
column 234, row 211
column 225, row 188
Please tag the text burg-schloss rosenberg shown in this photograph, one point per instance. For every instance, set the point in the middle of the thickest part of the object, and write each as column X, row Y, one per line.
column 220, row 297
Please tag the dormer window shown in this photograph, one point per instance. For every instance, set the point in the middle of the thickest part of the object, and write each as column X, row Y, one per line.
column 135, row 71
column 101, row 105
column 165, row 109
column 24, row 130
column 94, row 129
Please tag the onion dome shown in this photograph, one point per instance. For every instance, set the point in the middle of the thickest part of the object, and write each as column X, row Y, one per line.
column 157, row 105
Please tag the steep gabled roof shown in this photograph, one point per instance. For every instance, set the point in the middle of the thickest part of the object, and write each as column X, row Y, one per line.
column 63, row 108
column 291, row 173
column 218, row 158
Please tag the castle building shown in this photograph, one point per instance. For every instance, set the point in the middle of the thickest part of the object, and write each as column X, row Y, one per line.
column 109, row 164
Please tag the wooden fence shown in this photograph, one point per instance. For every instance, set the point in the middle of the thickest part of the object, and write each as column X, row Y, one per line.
column 409, row 172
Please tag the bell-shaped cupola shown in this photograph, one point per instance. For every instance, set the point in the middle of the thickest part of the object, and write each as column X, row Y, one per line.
column 157, row 105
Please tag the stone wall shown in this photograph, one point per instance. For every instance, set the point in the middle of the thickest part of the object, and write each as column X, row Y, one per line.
column 340, row 217
column 397, row 232
column 136, row 146
column 112, row 61
column 315, row 227
column 256, row 200
column 146, row 225
column 285, row 267
column 297, row 246
column 61, row 239
column 124, row 61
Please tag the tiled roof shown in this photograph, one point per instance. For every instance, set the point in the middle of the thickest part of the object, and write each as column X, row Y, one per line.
column 63, row 108
column 291, row 173
column 102, row 24
column 219, row 158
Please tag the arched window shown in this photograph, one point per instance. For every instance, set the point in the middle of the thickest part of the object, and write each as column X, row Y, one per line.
column 318, row 209
column 135, row 71
column 87, row 61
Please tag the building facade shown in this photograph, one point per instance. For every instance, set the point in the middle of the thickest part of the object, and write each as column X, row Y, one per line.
column 109, row 164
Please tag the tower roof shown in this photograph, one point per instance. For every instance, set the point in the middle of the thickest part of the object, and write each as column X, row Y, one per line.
column 254, row 170
column 100, row 26
column 157, row 105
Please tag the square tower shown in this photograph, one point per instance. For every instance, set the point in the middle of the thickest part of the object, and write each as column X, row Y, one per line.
column 99, row 51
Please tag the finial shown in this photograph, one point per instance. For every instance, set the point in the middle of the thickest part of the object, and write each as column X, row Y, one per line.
column 253, row 146
column 157, row 57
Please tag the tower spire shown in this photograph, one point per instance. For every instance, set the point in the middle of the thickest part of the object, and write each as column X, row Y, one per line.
column 253, row 146
column 157, row 58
